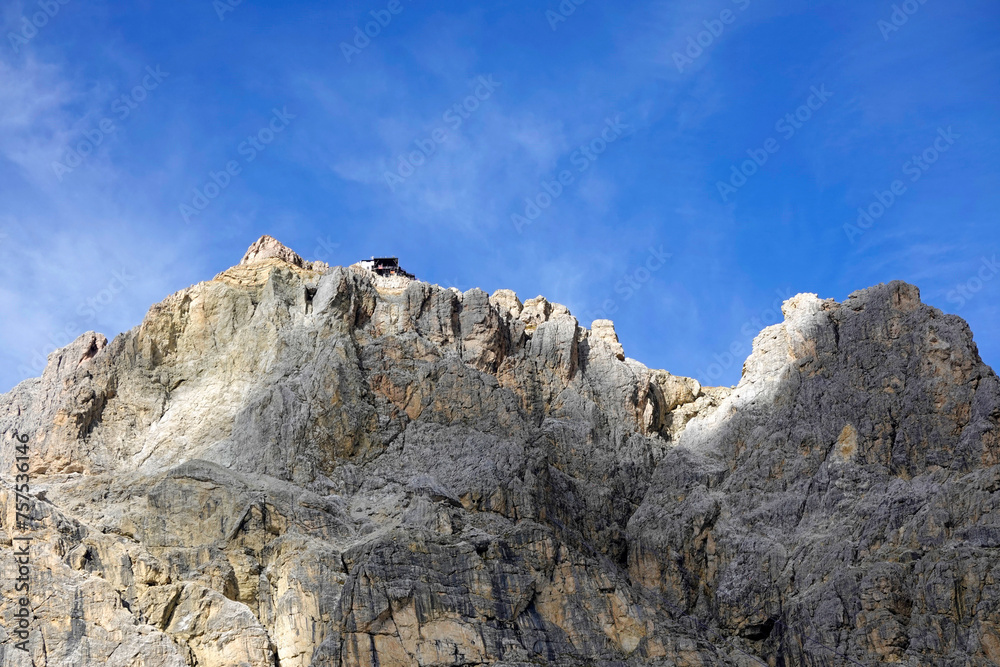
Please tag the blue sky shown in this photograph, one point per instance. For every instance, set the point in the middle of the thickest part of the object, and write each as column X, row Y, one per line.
column 619, row 123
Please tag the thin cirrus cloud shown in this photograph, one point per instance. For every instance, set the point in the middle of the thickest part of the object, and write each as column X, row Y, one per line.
column 67, row 265
column 321, row 185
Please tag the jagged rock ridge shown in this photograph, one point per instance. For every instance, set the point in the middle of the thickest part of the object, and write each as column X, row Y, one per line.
column 288, row 465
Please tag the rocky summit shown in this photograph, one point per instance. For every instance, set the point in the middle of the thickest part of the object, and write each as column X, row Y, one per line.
column 291, row 465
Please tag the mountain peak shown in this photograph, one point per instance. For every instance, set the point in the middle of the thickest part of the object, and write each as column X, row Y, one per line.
column 267, row 247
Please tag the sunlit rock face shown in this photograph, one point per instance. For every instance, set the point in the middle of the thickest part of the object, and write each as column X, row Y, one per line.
column 299, row 465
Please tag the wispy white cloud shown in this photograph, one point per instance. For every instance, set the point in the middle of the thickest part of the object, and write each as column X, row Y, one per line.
column 76, row 255
column 326, row 177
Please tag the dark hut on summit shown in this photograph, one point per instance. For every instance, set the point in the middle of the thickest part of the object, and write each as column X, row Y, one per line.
column 387, row 266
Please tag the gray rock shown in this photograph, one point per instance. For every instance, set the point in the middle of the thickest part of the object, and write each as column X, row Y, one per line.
column 296, row 465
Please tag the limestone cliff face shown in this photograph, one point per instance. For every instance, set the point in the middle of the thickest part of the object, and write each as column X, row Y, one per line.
column 288, row 466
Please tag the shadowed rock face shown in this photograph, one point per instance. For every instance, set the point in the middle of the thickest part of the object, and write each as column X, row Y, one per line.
column 840, row 504
column 286, row 466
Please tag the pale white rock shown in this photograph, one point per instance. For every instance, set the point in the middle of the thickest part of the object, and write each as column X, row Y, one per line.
column 507, row 303
column 604, row 332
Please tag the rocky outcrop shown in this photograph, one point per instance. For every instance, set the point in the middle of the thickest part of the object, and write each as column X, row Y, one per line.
column 839, row 506
column 292, row 465
column 267, row 247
